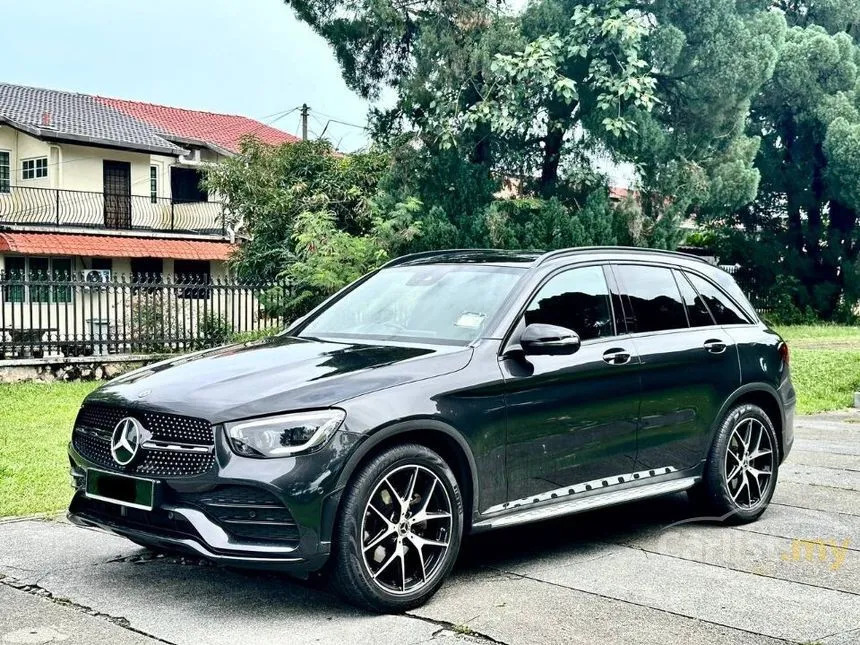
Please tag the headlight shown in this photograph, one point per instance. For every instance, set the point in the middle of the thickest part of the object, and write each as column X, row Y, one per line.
column 284, row 435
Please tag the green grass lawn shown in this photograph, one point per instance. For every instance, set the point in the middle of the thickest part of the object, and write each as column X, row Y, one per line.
column 35, row 427
column 825, row 365
column 36, row 418
column 820, row 334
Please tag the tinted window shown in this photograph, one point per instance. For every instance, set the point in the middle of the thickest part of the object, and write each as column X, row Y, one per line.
column 725, row 282
column 654, row 297
column 433, row 303
column 697, row 312
column 725, row 311
column 577, row 299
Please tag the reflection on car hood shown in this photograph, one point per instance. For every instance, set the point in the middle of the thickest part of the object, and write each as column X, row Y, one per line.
column 276, row 375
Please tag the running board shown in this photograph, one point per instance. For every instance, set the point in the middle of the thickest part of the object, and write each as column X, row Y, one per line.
column 570, row 506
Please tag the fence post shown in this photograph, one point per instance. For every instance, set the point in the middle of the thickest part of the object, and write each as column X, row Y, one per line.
column 57, row 200
column 171, row 213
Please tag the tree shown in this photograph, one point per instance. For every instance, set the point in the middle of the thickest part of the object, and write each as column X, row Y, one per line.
column 266, row 188
column 539, row 95
column 804, row 222
column 310, row 218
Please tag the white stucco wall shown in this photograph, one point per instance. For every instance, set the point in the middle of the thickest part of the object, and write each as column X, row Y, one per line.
column 77, row 167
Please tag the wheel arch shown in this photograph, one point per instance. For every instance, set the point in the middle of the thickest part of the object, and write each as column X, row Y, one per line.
column 765, row 397
column 436, row 435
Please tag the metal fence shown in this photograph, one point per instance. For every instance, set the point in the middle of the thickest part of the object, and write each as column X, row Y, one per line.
column 55, row 207
column 760, row 297
column 82, row 314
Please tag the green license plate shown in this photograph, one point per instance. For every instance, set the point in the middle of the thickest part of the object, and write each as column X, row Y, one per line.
column 121, row 489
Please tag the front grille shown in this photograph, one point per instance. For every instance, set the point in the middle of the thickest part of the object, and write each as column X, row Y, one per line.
column 164, row 427
column 186, row 443
column 246, row 512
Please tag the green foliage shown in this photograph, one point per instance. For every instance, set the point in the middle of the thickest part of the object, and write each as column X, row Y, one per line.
column 266, row 188
column 591, row 68
column 212, row 331
column 148, row 326
column 253, row 335
column 804, row 221
column 744, row 116
column 534, row 223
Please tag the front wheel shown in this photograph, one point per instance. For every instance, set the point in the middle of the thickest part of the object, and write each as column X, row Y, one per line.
column 742, row 467
column 399, row 530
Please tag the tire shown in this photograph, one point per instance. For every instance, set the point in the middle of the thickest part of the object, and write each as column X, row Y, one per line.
column 376, row 530
column 742, row 467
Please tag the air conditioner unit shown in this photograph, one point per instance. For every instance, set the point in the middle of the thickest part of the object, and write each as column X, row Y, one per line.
column 191, row 159
column 97, row 276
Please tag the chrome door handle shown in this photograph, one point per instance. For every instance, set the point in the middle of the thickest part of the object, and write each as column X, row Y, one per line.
column 715, row 346
column 616, row 356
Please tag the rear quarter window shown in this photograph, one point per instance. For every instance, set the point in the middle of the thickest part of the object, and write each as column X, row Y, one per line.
column 723, row 309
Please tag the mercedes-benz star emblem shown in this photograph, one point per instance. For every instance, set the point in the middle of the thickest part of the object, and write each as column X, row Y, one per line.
column 125, row 440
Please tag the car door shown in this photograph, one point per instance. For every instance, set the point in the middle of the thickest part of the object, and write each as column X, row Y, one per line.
column 689, row 365
column 571, row 418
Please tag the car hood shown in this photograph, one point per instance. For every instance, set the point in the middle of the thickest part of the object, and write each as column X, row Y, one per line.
column 275, row 375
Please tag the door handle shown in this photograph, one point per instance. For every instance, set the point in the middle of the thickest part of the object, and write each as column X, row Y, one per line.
column 715, row 346
column 616, row 356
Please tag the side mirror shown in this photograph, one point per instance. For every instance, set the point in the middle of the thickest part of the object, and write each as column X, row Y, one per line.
column 549, row 340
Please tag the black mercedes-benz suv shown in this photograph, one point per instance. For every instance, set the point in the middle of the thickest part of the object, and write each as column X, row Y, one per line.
column 446, row 393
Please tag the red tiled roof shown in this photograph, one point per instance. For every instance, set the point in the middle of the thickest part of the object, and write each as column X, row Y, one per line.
column 222, row 130
column 108, row 246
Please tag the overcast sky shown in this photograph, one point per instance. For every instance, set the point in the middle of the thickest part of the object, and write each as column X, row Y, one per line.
column 250, row 57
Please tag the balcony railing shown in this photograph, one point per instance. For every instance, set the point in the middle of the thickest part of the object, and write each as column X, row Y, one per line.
column 55, row 207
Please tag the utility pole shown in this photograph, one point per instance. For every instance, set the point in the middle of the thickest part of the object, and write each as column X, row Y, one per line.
column 305, row 110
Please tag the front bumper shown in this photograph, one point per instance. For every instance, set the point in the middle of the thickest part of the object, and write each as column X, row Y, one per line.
column 208, row 540
column 301, row 490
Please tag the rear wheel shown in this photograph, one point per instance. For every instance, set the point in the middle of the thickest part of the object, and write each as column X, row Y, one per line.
column 399, row 530
column 742, row 467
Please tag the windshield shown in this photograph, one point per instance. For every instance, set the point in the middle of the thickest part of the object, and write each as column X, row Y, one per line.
column 435, row 303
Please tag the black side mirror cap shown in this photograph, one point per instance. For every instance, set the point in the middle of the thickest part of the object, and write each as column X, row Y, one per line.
column 549, row 340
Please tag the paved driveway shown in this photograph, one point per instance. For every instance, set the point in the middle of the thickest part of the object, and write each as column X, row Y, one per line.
column 616, row 576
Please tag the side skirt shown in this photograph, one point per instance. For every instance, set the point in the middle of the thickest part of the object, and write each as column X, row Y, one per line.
column 575, row 504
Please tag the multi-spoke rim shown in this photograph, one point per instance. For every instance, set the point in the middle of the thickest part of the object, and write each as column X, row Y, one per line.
column 406, row 529
column 749, row 463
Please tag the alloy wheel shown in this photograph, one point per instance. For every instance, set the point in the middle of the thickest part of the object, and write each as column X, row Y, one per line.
column 406, row 529
column 749, row 463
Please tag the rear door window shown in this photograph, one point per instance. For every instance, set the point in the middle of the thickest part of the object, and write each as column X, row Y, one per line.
column 724, row 310
column 654, row 297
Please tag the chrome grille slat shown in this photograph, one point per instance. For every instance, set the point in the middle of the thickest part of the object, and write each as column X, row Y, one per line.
column 248, row 506
column 179, row 446
column 175, row 447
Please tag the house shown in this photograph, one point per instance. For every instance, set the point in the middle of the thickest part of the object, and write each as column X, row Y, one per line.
column 94, row 184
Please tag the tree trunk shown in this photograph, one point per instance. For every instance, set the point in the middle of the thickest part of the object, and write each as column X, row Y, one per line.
column 553, row 142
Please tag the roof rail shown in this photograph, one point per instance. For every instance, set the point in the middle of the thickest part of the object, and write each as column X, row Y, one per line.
column 628, row 249
column 443, row 252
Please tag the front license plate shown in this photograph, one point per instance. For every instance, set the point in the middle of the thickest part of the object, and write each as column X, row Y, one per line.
column 121, row 489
